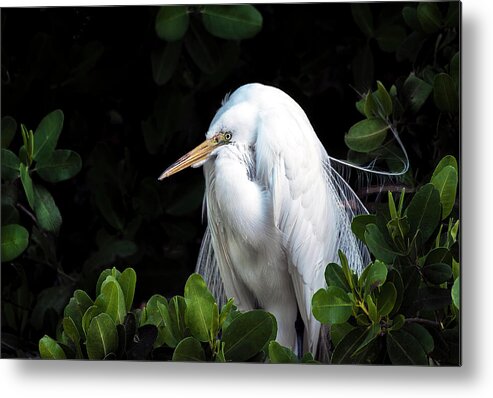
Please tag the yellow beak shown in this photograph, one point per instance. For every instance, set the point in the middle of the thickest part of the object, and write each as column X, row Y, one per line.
column 196, row 155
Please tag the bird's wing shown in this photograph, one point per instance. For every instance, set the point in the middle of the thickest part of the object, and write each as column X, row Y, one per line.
column 214, row 262
column 307, row 205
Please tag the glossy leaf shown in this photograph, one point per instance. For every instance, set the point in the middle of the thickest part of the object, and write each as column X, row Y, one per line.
column 366, row 135
column 232, row 22
column 456, row 292
column 201, row 315
column 47, row 213
column 102, row 337
column 27, row 184
column 46, row 135
column 280, row 354
column 383, row 99
column 372, row 333
column 363, row 17
column 429, row 16
column 90, row 313
column 410, row 16
column 164, row 62
column 15, row 240
column 338, row 331
column 10, row 165
column 416, row 92
column 70, row 329
column 334, row 276
column 50, row 349
column 446, row 184
column 378, row 245
column 404, row 349
column 331, row 305
column 445, row 93
column 9, row 126
column 437, row 273
column 189, row 349
column 359, row 223
column 448, row 160
column 61, row 165
column 127, row 281
column 246, row 335
column 422, row 335
column 172, row 22
column 424, row 211
column 344, row 350
column 377, row 274
column 113, row 299
column 386, row 299
column 372, row 310
column 390, row 37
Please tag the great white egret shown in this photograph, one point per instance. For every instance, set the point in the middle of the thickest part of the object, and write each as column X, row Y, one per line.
column 277, row 211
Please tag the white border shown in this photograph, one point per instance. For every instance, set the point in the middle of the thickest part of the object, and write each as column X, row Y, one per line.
column 474, row 378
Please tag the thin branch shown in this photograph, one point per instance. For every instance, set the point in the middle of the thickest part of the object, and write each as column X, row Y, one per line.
column 423, row 321
column 31, row 215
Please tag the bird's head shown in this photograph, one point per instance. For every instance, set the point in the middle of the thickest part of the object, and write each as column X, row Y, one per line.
column 234, row 124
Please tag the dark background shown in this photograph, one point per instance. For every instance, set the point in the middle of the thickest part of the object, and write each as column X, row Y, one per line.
column 95, row 65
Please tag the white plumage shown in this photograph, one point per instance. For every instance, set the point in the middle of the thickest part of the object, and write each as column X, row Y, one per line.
column 277, row 211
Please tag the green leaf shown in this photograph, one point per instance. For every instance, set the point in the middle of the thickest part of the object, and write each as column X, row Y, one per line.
column 373, row 332
column 437, row 273
column 177, row 308
column 201, row 315
column 372, row 310
column 189, row 349
column 363, row 18
column 359, row 223
column 376, row 276
column 246, row 335
column 429, row 16
column 370, row 107
column 83, row 300
column 331, row 305
column 422, row 335
column 455, row 69
column 390, row 37
column 445, row 93
column 416, row 92
column 439, row 255
column 61, row 165
column 47, row 214
column 50, row 349
column 280, row 354
column 73, row 334
column 10, row 215
column 378, row 245
column 102, row 337
column 15, row 240
column 27, row 184
column 10, row 165
column 456, row 292
column 410, row 16
column 446, row 183
column 46, row 135
column 112, row 300
column 164, row 62
column 338, row 331
column 227, row 308
column 102, row 277
column 172, row 22
column 127, row 281
column 448, row 160
column 404, row 349
column 90, row 313
column 398, row 322
column 334, row 276
column 9, row 126
column 232, row 22
column 346, row 347
column 424, row 211
column 165, row 326
column 386, row 299
column 383, row 99
column 366, row 135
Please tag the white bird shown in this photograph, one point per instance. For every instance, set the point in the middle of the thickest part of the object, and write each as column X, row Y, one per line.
column 277, row 211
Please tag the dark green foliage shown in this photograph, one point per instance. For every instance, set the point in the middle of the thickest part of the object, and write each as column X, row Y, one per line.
column 81, row 185
column 185, row 328
column 401, row 306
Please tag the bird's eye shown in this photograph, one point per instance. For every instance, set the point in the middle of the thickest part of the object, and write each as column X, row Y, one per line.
column 227, row 136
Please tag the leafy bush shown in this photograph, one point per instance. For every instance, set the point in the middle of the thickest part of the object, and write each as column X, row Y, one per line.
column 185, row 328
column 404, row 307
